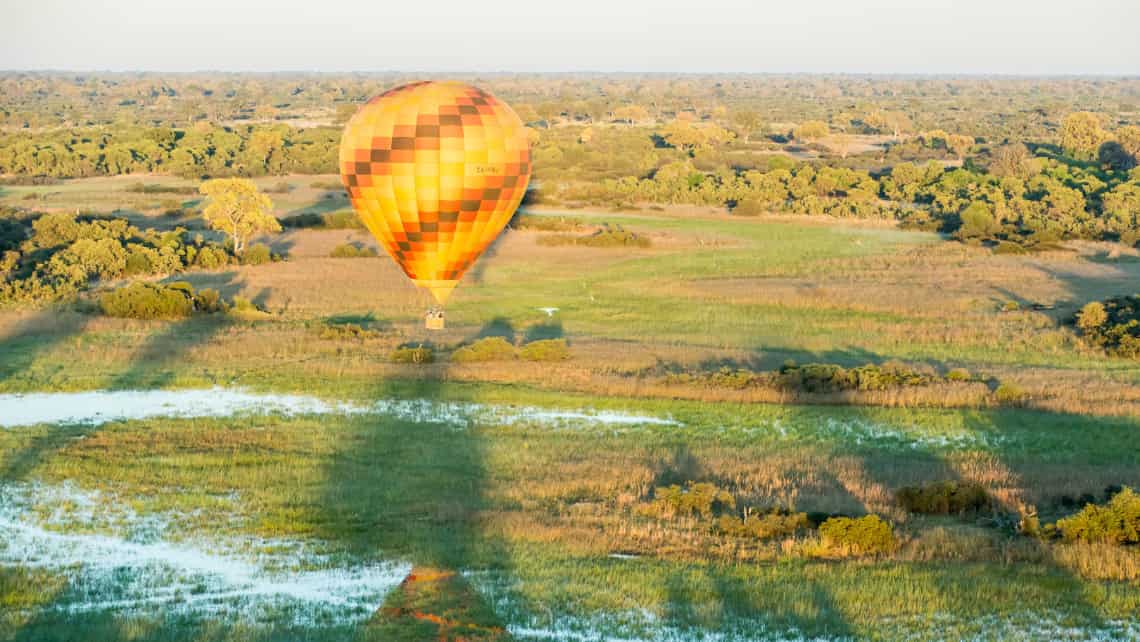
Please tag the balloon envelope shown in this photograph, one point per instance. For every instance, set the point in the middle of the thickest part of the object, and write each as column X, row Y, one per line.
column 435, row 170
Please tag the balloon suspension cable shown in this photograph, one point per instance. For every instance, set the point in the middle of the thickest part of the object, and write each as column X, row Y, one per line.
column 433, row 320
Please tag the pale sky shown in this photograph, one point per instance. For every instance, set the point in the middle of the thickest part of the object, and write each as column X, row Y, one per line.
column 1042, row 37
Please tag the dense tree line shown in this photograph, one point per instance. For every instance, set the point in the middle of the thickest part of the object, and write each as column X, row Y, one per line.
column 998, row 108
column 199, row 151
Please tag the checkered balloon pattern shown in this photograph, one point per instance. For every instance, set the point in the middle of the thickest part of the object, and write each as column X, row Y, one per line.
column 435, row 170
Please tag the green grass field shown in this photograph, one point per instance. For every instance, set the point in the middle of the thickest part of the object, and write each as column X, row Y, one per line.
column 300, row 526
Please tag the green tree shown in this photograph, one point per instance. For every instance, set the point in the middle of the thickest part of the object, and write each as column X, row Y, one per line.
column 631, row 114
column 895, row 122
column 811, row 130
column 1092, row 317
column 747, row 122
column 1129, row 138
column 1012, row 160
column 960, row 145
column 237, row 208
column 977, row 222
column 1082, row 134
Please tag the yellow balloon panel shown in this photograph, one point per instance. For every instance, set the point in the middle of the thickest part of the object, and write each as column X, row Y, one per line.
column 435, row 170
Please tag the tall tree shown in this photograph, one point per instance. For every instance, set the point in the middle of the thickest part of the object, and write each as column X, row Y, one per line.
column 960, row 145
column 1082, row 134
column 747, row 122
column 236, row 208
column 811, row 130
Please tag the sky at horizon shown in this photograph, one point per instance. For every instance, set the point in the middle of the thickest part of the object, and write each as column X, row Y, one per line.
column 987, row 37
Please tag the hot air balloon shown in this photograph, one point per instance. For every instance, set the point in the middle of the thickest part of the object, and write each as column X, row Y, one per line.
column 435, row 170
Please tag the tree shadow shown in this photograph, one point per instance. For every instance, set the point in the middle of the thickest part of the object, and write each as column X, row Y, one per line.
column 155, row 363
column 329, row 201
column 497, row 327
column 34, row 337
column 280, row 244
column 543, row 331
column 366, row 321
column 680, row 467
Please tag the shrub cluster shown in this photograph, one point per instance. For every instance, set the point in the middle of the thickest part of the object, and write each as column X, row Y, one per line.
column 944, row 498
column 1010, row 394
column 774, row 523
column 486, row 349
column 540, row 223
column 258, row 254
column 351, row 251
column 823, row 377
column 1113, row 324
column 410, row 354
column 335, row 220
column 545, row 350
column 142, row 300
column 56, row 255
column 1115, row 522
column 342, row 331
column 692, row 500
column 862, row 535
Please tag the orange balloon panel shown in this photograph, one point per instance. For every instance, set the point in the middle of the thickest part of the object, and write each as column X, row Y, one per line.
column 435, row 170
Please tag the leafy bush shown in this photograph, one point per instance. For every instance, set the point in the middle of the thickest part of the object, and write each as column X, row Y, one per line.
column 485, row 349
column 944, row 498
column 408, row 354
column 776, row 523
column 959, row 374
column 336, row 220
column 542, row 223
column 243, row 307
column 350, row 251
column 257, row 254
column 211, row 258
column 1117, row 522
column 693, row 500
column 342, row 331
column 751, row 207
column 1113, row 325
column 867, row 534
column 1009, row 394
column 208, row 300
column 148, row 301
column 545, row 350
column 826, row 377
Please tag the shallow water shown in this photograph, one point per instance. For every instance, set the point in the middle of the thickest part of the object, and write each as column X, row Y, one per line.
column 102, row 406
column 120, row 561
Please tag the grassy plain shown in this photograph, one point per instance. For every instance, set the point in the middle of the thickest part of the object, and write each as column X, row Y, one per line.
column 533, row 514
